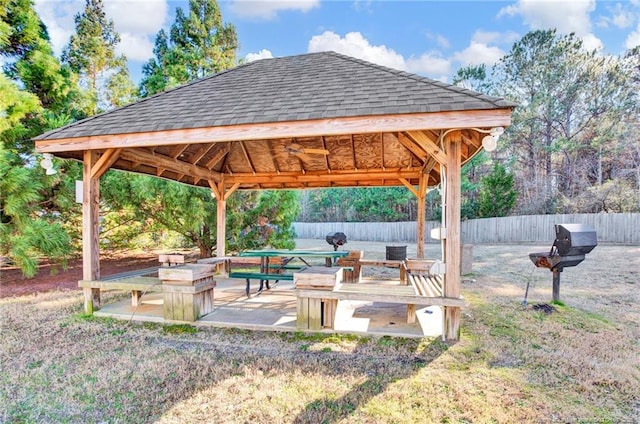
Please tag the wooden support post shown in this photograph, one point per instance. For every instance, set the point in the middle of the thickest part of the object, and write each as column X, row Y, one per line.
column 90, row 231
column 422, row 196
column 452, row 315
column 221, row 221
column 411, row 314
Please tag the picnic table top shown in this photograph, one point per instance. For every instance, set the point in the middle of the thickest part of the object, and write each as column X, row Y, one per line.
column 294, row 253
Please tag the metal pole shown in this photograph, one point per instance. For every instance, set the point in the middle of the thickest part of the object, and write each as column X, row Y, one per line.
column 556, row 284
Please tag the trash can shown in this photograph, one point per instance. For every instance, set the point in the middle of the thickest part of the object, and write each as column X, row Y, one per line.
column 396, row 253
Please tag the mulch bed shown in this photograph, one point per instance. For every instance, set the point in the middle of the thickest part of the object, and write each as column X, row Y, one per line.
column 48, row 278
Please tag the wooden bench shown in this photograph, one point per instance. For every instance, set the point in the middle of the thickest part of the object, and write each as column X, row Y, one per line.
column 424, row 288
column 138, row 285
column 383, row 293
column 263, row 277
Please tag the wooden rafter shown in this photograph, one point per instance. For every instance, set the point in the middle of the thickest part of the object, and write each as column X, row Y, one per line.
column 353, row 152
column 326, row 157
column 382, row 149
column 246, row 155
column 429, row 166
column 108, row 158
column 408, row 185
column 202, row 151
column 214, row 188
column 168, row 163
column 177, row 150
column 219, row 155
column 231, row 190
column 428, row 145
column 412, row 147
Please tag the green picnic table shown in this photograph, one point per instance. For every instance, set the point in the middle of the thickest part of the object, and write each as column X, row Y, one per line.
column 275, row 272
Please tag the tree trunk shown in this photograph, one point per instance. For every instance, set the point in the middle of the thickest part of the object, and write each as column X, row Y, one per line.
column 204, row 242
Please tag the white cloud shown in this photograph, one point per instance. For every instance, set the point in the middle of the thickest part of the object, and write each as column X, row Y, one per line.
column 495, row 37
column 137, row 17
column 262, row 54
column 355, row 45
column 565, row 16
column 136, row 34
column 431, row 64
column 58, row 17
column 622, row 16
column 591, row 42
column 362, row 5
column 623, row 20
column 440, row 40
column 633, row 39
column 136, row 47
column 267, row 9
column 479, row 53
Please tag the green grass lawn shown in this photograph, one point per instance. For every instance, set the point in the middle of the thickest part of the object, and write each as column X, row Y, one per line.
column 579, row 363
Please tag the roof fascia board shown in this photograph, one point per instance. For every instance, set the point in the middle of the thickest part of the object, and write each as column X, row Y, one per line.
column 262, row 131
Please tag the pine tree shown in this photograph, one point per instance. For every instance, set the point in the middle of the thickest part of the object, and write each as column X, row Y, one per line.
column 497, row 193
column 91, row 54
column 35, row 95
column 573, row 111
column 199, row 44
column 191, row 212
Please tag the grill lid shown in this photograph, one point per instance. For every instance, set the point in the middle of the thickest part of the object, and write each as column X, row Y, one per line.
column 575, row 239
column 336, row 239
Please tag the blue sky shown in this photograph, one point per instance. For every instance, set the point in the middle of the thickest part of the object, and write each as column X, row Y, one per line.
column 430, row 38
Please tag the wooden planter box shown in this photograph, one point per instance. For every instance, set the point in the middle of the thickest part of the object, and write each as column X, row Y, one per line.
column 188, row 291
column 312, row 313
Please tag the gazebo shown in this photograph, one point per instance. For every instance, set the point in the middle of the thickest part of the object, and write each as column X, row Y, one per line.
column 310, row 121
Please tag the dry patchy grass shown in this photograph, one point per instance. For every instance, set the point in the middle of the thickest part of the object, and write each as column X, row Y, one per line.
column 513, row 364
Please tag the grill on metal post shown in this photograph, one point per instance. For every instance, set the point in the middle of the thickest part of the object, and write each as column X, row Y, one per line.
column 572, row 243
column 336, row 239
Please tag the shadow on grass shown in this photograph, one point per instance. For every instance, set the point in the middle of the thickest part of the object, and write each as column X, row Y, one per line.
column 380, row 374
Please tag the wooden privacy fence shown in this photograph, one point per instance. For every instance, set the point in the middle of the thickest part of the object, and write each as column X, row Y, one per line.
column 623, row 228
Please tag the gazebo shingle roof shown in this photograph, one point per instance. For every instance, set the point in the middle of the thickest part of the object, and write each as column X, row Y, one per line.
column 295, row 88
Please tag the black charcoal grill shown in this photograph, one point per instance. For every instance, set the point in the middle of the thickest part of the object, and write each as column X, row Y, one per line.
column 336, row 239
column 572, row 243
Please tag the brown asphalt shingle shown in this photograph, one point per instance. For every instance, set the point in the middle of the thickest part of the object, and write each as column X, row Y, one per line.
column 309, row 86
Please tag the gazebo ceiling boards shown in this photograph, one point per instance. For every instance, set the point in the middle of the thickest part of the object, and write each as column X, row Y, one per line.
column 310, row 121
